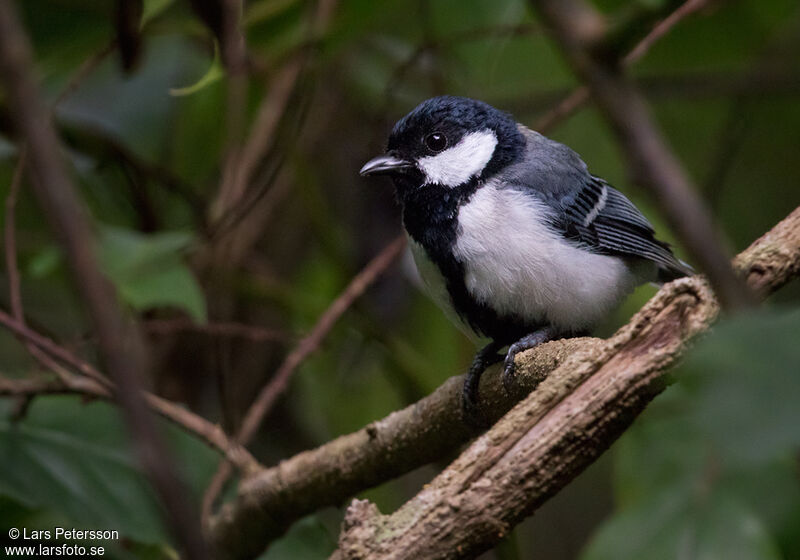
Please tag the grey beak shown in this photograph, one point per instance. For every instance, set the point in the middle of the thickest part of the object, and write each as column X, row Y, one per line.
column 385, row 165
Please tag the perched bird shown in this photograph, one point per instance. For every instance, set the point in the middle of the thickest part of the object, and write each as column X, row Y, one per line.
column 514, row 238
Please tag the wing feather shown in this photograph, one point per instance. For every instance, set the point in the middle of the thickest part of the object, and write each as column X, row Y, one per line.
column 614, row 225
column 594, row 214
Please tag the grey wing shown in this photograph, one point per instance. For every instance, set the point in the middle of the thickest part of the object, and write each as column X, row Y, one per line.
column 586, row 208
column 600, row 217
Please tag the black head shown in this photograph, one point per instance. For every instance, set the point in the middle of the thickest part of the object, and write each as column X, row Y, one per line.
column 448, row 141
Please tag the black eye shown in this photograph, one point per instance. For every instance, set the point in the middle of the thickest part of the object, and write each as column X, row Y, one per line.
column 436, row 141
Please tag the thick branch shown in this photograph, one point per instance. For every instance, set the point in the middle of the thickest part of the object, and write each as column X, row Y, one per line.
column 651, row 162
column 562, row 427
column 271, row 500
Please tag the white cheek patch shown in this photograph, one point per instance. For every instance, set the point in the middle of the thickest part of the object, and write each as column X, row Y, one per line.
column 458, row 164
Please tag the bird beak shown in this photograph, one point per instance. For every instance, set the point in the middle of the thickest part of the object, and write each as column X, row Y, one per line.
column 385, row 165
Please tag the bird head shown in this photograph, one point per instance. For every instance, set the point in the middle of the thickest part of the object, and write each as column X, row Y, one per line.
column 449, row 142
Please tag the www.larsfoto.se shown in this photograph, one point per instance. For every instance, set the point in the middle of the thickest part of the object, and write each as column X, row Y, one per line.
column 55, row 550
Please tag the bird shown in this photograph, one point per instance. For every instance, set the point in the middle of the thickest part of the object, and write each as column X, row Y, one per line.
column 513, row 237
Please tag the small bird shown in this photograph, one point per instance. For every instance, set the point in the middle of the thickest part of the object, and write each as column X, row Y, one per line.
column 512, row 235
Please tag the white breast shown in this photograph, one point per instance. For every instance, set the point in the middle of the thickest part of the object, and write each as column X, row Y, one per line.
column 437, row 289
column 515, row 264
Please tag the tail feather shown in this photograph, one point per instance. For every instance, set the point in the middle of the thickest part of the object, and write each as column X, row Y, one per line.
column 674, row 271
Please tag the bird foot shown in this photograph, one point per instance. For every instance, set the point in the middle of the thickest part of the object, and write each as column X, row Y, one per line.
column 470, row 397
column 525, row 343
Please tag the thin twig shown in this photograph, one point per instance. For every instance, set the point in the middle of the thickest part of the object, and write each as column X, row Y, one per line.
column 241, row 161
column 89, row 65
column 20, row 329
column 662, row 28
column 581, row 95
column 398, row 75
column 266, row 398
column 183, row 418
column 12, row 271
column 10, row 240
column 309, row 344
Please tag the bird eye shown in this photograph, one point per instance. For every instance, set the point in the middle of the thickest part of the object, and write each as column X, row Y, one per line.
column 436, row 141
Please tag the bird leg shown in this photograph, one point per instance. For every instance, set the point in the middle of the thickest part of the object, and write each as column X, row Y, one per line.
column 469, row 397
column 525, row 343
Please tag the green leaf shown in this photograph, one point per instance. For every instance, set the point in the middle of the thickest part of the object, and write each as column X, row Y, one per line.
column 148, row 270
column 44, row 262
column 662, row 450
column 684, row 524
column 212, row 75
column 91, row 485
column 73, row 462
column 308, row 539
column 745, row 387
column 153, row 8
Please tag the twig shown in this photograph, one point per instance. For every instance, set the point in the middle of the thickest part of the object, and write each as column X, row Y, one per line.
column 581, row 95
column 51, row 348
column 88, row 66
column 432, row 428
column 650, row 161
column 117, row 341
column 662, row 28
column 241, row 161
column 309, row 344
column 234, row 56
column 12, row 271
column 398, row 75
column 10, row 240
column 183, row 418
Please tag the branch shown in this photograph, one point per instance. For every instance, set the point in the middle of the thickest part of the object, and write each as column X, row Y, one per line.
column 118, row 343
column 580, row 31
column 563, row 426
column 270, row 501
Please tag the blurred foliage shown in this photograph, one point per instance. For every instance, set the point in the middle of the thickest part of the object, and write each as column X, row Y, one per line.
column 711, row 468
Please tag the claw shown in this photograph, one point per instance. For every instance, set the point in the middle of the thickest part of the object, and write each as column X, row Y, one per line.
column 509, row 379
column 470, row 395
column 471, row 411
column 531, row 341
